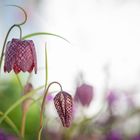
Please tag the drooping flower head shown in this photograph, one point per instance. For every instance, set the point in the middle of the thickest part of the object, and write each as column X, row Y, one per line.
column 20, row 55
column 63, row 104
column 84, row 94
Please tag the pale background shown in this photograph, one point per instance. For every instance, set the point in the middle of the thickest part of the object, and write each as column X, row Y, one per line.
column 104, row 36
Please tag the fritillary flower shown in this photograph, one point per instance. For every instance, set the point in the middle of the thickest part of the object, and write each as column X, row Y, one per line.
column 84, row 94
column 63, row 104
column 20, row 55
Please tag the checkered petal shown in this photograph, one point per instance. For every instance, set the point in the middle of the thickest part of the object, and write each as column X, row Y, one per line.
column 33, row 54
column 10, row 56
column 63, row 104
column 20, row 56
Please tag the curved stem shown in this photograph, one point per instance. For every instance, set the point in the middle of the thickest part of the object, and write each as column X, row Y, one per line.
column 43, row 106
column 15, row 25
column 25, row 14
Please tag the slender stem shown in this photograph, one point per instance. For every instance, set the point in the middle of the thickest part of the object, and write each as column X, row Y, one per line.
column 46, row 65
column 19, row 81
column 25, row 14
column 43, row 106
column 22, row 131
column 15, row 25
column 20, row 31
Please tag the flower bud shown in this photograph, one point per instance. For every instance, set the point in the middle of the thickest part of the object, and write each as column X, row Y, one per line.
column 63, row 104
column 26, row 103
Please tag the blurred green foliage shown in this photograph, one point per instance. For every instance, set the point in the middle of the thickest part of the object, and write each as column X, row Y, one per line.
column 9, row 93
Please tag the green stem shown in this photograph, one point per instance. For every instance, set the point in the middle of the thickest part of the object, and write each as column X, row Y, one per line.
column 46, row 82
column 22, row 132
column 19, row 101
column 19, row 82
column 25, row 14
column 15, row 25
column 43, row 107
column 46, row 65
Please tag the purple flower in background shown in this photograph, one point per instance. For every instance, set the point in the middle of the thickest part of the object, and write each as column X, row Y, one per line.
column 20, row 55
column 84, row 94
column 113, row 135
column 49, row 97
column 64, row 104
column 111, row 97
column 136, row 137
column 2, row 136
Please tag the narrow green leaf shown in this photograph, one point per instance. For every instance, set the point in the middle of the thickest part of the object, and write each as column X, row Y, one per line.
column 43, row 33
column 19, row 102
column 46, row 82
column 10, row 123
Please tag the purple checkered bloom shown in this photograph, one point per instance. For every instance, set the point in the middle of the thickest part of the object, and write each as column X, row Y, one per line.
column 84, row 94
column 64, row 104
column 20, row 55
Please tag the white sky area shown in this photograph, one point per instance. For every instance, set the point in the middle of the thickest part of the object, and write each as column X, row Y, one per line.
column 102, row 33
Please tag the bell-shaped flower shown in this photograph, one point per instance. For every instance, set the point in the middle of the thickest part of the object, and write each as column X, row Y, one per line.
column 20, row 55
column 64, row 104
column 84, row 94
